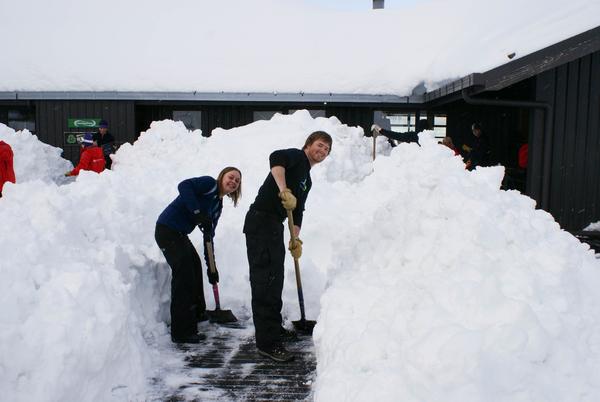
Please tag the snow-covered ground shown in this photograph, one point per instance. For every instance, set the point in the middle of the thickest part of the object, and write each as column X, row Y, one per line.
column 427, row 281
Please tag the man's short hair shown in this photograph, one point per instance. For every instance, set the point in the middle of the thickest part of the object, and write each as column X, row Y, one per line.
column 318, row 135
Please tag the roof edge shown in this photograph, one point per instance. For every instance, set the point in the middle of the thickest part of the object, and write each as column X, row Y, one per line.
column 525, row 67
column 274, row 97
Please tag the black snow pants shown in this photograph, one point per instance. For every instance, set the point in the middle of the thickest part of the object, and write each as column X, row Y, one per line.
column 266, row 254
column 187, row 294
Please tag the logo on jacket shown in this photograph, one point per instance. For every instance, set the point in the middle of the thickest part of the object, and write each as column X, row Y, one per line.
column 303, row 185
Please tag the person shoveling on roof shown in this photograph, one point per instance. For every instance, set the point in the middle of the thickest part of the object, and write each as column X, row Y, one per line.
column 285, row 188
column 91, row 158
column 199, row 203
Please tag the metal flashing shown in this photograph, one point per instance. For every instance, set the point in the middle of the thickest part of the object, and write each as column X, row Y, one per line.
column 273, row 97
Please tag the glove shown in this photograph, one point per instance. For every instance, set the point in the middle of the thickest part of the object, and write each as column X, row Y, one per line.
column 375, row 129
column 213, row 278
column 466, row 148
column 287, row 199
column 295, row 248
column 67, row 174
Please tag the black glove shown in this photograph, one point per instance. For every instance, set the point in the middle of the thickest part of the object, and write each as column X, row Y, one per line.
column 212, row 277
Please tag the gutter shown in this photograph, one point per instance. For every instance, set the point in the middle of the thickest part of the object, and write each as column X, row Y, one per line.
column 267, row 97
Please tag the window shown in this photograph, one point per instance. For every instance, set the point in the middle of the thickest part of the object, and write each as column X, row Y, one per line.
column 191, row 118
column 21, row 119
column 399, row 122
column 263, row 114
column 402, row 122
column 439, row 125
column 314, row 113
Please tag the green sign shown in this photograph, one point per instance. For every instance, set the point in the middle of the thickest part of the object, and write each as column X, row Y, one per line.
column 83, row 123
column 71, row 139
column 74, row 137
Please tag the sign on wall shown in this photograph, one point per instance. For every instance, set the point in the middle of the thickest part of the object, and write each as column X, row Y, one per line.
column 74, row 137
column 83, row 123
column 78, row 128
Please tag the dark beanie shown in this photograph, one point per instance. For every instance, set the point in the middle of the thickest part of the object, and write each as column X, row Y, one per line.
column 103, row 124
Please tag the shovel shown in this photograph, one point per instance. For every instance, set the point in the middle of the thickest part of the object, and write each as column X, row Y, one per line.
column 217, row 316
column 303, row 325
column 374, row 134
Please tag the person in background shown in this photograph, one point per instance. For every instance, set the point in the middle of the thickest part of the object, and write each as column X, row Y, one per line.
column 409, row 136
column 522, row 155
column 91, row 157
column 447, row 141
column 7, row 172
column 515, row 178
column 285, row 189
column 105, row 141
column 199, row 203
column 478, row 152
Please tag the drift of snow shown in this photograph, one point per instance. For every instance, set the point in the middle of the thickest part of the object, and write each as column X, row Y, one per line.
column 593, row 226
column 427, row 281
column 33, row 159
column 452, row 290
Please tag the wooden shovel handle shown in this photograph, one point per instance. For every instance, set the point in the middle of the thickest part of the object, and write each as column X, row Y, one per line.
column 296, row 267
column 211, row 257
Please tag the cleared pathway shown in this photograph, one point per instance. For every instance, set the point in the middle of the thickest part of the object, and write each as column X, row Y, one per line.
column 226, row 367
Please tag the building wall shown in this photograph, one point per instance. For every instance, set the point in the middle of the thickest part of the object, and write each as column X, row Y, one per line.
column 564, row 167
column 52, row 121
column 505, row 128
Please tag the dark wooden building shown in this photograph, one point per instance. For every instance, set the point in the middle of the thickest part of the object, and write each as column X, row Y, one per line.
column 549, row 99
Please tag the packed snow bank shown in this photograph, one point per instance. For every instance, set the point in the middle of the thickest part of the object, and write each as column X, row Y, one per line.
column 426, row 279
column 86, row 298
column 33, row 160
column 452, row 290
column 593, row 226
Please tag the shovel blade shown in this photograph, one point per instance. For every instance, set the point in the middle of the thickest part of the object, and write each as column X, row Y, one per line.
column 304, row 327
column 221, row 316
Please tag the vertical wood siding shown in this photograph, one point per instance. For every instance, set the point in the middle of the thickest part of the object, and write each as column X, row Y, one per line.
column 52, row 121
column 573, row 91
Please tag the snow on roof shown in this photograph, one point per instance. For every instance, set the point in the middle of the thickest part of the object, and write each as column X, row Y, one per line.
column 271, row 45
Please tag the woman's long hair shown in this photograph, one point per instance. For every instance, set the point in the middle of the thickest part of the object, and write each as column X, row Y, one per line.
column 237, row 194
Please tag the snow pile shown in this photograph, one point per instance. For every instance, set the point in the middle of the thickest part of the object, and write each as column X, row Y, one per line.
column 33, row 159
column 428, row 282
column 452, row 290
column 89, row 283
column 593, row 226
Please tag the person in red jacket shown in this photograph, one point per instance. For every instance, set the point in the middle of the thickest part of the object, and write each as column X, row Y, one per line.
column 6, row 165
column 91, row 158
column 522, row 155
column 447, row 141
